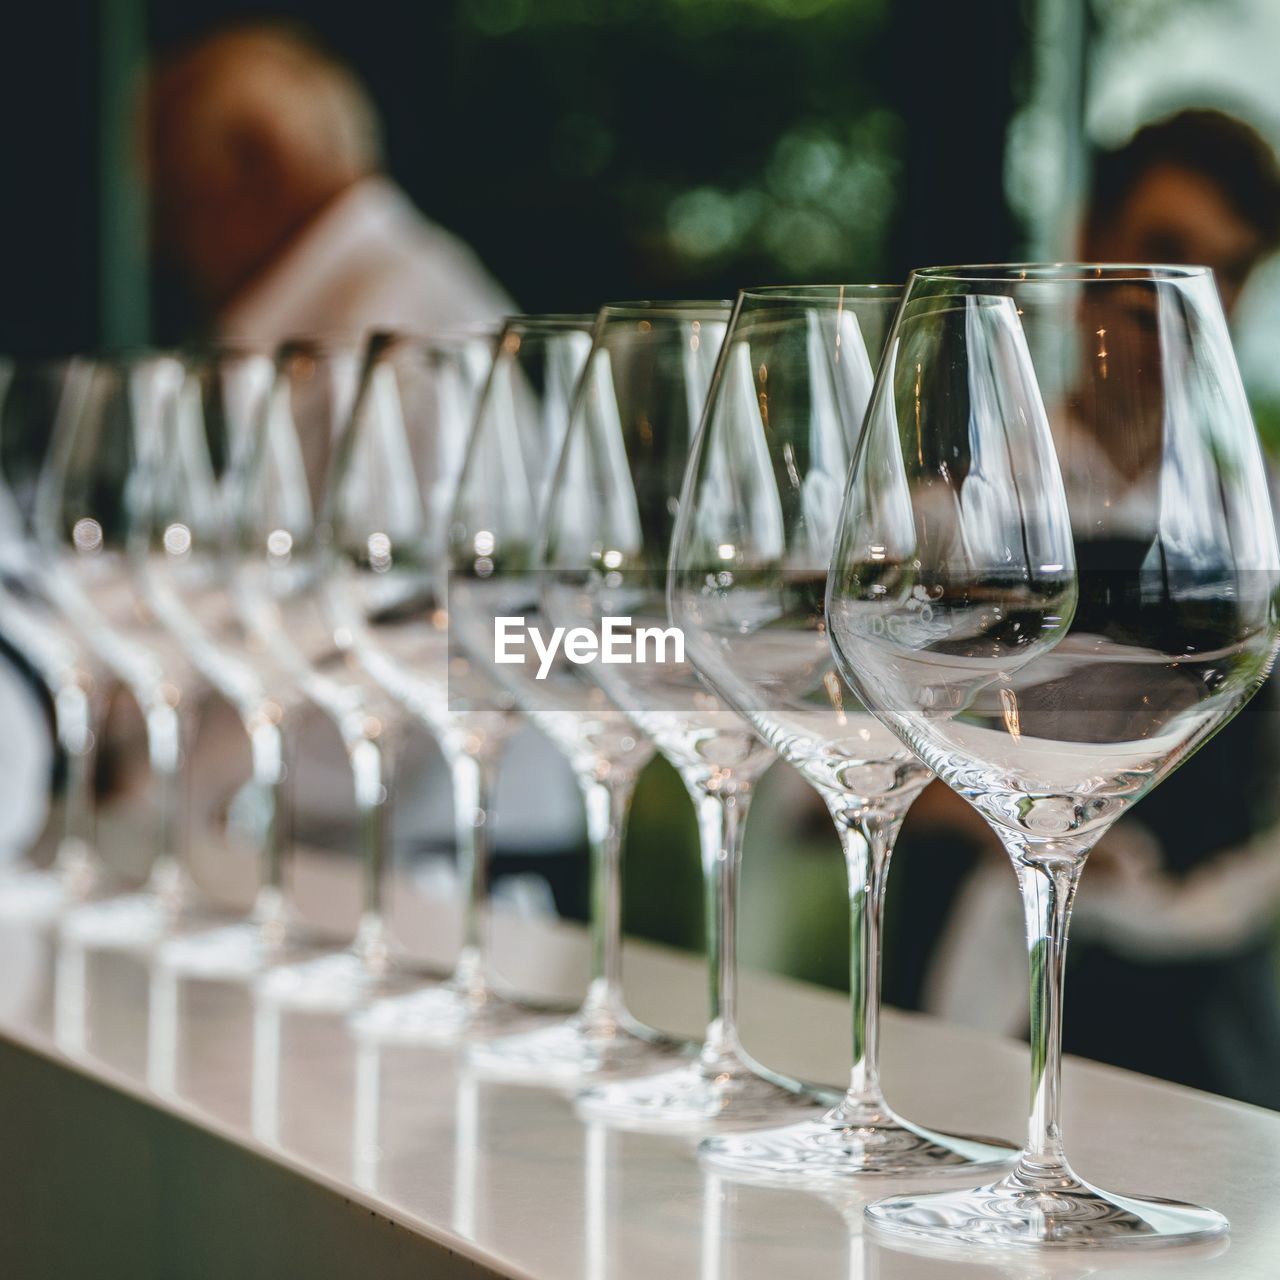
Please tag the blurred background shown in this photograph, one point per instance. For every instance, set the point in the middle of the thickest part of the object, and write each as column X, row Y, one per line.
column 594, row 149
column 608, row 148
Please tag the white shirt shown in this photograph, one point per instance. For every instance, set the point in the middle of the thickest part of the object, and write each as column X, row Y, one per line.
column 369, row 260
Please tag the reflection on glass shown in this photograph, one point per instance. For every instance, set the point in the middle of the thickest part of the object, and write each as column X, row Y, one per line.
column 162, row 1032
column 70, row 1000
column 466, row 1154
column 264, row 1073
column 368, row 1116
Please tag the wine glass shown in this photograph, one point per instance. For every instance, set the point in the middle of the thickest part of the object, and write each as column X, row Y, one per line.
column 279, row 565
column 497, row 575
column 200, row 476
column 519, row 422
column 1055, row 578
column 749, row 561
column 385, row 527
column 92, row 506
column 30, row 395
column 610, row 520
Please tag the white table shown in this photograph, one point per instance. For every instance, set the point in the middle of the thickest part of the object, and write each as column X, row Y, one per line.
column 176, row 1132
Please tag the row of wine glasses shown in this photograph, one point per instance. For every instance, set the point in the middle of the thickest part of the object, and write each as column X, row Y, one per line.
column 516, row 433
column 29, row 395
column 750, row 551
column 86, row 512
column 1008, row 528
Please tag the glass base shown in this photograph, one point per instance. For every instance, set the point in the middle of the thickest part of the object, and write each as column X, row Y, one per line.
column 727, row 1092
column 134, row 922
column 441, row 1015
column 585, row 1047
column 37, row 895
column 236, row 952
column 32, row 895
column 337, row 983
column 1037, row 1212
column 850, row 1141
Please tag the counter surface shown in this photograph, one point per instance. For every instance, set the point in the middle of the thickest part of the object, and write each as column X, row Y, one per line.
column 506, row 1179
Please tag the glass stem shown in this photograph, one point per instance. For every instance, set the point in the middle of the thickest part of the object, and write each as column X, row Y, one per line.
column 170, row 729
column 606, row 804
column 79, row 706
column 270, row 746
column 867, row 840
column 373, row 761
column 721, row 825
column 1048, row 875
column 473, row 778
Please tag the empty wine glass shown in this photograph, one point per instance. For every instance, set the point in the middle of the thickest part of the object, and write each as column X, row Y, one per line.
column 749, row 561
column 31, row 393
column 280, row 562
column 519, row 422
column 187, row 570
column 496, row 534
column 1055, row 578
column 610, row 520
column 393, row 486
column 92, row 508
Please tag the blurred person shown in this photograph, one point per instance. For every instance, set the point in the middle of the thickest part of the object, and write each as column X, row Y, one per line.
column 269, row 200
column 1198, row 187
column 1173, row 959
column 268, row 197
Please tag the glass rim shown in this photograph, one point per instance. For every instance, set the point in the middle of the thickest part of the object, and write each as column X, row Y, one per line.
column 551, row 321
column 123, row 356
column 1061, row 272
column 812, row 292
column 712, row 308
column 383, row 340
column 25, row 365
column 325, row 343
column 199, row 349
